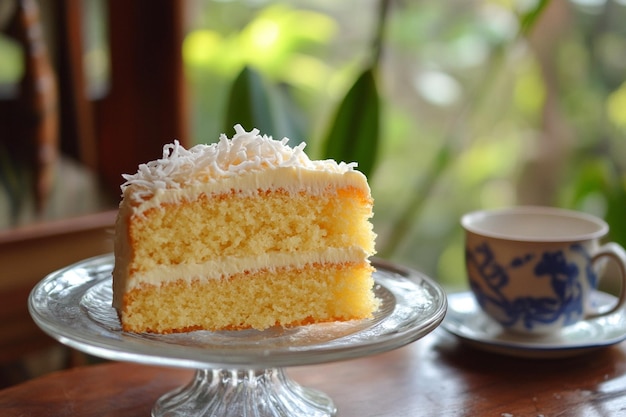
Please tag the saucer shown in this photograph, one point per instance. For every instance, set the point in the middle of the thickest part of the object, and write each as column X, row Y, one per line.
column 467, row 321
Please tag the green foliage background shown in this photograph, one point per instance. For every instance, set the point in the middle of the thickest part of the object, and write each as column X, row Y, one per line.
column 467, row 104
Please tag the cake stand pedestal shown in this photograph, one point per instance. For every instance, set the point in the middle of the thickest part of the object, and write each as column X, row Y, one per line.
column 223, row 393
column 238, row 373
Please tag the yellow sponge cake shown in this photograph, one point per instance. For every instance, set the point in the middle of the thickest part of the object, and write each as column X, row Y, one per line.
column 244, row 233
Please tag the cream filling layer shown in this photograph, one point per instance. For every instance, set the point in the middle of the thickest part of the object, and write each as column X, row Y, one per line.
column 220, row 268
column 290, row 179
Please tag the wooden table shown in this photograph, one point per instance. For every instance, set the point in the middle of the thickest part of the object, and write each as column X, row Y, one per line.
column 435, row 376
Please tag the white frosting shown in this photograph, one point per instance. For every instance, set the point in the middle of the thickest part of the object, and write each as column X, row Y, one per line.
column 246, row 152
column 289, row 179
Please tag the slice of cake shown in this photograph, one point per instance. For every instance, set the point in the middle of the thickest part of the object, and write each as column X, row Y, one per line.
column 243, row 233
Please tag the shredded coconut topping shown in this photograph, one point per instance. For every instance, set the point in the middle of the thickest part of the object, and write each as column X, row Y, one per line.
column 245, row 152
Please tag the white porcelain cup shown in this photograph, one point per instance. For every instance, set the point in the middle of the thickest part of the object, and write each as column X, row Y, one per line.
column 533, row 269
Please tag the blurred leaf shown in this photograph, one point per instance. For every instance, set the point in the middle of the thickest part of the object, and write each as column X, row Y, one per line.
column 279, row 30
column 528, row 19
column 354, row 133
column 12, row 62
column 616, row 201
column 202, row 47
column 249, row 104
column 599, row 177
column 254, row 103
column 289, row 120
column 591, row 175
column 615, row 105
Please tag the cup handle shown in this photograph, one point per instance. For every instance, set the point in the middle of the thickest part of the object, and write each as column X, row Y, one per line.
column 618, row 254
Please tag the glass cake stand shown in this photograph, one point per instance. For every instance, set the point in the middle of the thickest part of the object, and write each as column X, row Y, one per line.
column 237, row 372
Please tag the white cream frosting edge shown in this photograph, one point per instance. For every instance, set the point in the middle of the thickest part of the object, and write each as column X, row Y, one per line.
column 290, row 179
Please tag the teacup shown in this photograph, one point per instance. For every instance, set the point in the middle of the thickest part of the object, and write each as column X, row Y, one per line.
column 533, row 269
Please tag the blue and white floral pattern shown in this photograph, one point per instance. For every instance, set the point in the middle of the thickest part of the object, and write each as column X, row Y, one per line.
column 566, row 302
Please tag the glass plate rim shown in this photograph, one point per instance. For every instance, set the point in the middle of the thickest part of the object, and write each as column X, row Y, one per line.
column 101, row 346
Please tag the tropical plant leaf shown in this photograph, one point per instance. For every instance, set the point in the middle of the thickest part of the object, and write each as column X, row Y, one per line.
column 528, row 19
column 249, row 103
column 253, row 103
column 287, row 116
column 601, row 176
column 354, row 134
column 616, row 201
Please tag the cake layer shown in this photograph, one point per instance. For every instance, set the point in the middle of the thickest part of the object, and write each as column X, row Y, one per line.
column 240, row 226
column 268, row 297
